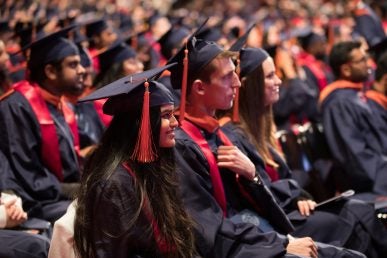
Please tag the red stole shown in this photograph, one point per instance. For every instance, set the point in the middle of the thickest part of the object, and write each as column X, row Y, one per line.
column 377, row 97
column 160, row 241
column 98, row 104
column 317, row 67
column 50, row 152
column 339, row 84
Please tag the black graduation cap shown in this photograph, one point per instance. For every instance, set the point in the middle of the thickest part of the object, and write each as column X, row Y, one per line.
column 172, row 39
column 117, row 52
column 95, row 27
column 51, row 48
column 126, row 94
column 241, row 41
column 378, row 49
column 310, row 38
column 250, row 59
column 210, row 34
column 127, row 84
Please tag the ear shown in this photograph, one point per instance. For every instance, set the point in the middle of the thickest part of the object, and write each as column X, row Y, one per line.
column 345, row 70
column 198, row 87
column 51, row 72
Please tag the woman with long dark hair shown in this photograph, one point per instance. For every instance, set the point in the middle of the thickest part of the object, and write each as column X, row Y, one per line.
column 129, row 204
column 338, row 223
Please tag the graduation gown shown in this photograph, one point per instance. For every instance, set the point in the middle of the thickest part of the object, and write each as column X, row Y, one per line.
column 354, row 137
column 297, row 103
column 217, row 236
column 21, row 142
column 368, row 25
column 113, row 206
column 90, row 126
column 346, row 223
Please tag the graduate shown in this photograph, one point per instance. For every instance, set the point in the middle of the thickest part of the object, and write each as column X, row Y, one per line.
column 222, row 170
column 255, row 134
column 129, row 205
column 39, row 133
column 351, row 129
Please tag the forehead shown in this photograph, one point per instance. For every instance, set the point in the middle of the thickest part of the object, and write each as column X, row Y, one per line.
column 268, row 65
column 72, row 58
column 357, row 52
column 166, row 107
column 224, row 65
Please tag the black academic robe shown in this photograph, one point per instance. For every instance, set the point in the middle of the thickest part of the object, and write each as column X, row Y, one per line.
column 297, row 103
column 113, row 207
column 218, row 236
column 347, row 223
column 352, row 132
column 368, row 25
column 90, row 126
column 20, row 141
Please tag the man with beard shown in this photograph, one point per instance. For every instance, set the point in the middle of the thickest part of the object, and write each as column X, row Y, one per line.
column 39, row 132
column 351, row 127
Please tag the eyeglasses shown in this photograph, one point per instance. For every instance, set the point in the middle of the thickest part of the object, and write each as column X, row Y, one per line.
column 364, row 59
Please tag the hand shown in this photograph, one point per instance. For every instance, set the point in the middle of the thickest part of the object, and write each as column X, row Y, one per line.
column 302, row 246
column 15, row 214
column 306, row 206
column 232, row 158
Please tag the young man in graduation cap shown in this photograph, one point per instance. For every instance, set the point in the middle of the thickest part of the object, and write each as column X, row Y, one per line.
column 39, row 134
column 216, row 171
column 351, row 128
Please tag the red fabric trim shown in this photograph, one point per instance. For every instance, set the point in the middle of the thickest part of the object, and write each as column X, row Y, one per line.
column 317, row 67
column 377, row 97
column 272, row 172
column 339, row 84
column 50, row 144
column 216, row 179
column 163, row 247
column 106, row 119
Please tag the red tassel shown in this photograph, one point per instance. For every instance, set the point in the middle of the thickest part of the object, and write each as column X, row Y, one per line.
column 235, row 109
column 144, row 150
column 184, row 86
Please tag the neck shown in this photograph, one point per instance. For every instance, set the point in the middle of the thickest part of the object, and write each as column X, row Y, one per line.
column 49, row 86
column 198, row 110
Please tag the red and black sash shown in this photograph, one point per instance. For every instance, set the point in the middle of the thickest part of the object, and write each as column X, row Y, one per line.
column 50, row 152
column 377, row 97
column 162, row 246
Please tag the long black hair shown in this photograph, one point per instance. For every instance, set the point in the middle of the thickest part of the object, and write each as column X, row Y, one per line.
column 155, row 182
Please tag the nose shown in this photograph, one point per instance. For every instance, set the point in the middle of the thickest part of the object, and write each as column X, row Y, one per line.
column 173, row 122
column 236, row 83
column 81, row 69
column 278, row 81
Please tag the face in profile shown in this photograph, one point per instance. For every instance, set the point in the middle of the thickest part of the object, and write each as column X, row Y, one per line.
column 168, row 125
column 71, row 75
column 272, row 82
column 220, row 90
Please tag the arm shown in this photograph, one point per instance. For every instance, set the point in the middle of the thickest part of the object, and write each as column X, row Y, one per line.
column 21, row 145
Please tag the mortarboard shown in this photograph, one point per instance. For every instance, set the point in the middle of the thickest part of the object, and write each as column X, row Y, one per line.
column 237, row 46
column 95, row 27
column 126, row 94
column 116, row 53
column 210, row 34
column 309, row 39
column 172, row 39
column 241, row 41
column 250, row 59
column 51, row 48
